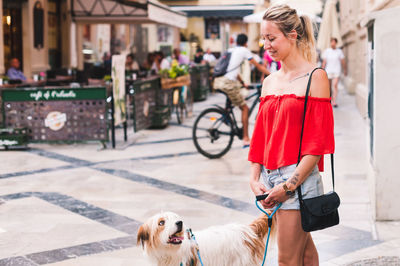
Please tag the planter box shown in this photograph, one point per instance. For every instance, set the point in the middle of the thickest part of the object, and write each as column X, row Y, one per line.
column 167, row 83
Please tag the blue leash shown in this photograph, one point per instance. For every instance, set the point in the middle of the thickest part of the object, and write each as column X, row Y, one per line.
column 269, row 226
column 266, row 244
column 192, row 237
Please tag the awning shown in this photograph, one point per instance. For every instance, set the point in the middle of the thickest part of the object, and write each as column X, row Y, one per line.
column 329, row 26
column 126, row 11
column 304, row 7
column 226, row 11
column 257, row 17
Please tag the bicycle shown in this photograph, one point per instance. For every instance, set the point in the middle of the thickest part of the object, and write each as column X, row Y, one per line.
column 215, row 127
column 181, row 102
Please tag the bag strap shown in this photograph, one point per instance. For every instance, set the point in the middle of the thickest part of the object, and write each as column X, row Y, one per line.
column 301, row 136
column 234, row 68
column 227, row 71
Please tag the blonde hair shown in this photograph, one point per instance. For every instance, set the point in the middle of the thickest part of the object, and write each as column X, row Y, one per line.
column 286, row 19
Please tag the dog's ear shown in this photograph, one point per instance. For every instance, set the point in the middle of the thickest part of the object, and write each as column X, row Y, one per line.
column 143, row 234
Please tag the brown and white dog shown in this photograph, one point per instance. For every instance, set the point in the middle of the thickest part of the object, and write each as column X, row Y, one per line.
column 167, row 243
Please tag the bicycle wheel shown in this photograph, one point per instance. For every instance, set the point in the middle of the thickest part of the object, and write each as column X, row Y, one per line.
column 213, row 133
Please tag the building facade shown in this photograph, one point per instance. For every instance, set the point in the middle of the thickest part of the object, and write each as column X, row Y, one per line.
column 215, row 24
column 355, row 44
column 30, row 33
column 371, row 44
column 53, row 34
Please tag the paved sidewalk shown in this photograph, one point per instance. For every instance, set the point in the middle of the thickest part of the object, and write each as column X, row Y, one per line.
column 81, row 205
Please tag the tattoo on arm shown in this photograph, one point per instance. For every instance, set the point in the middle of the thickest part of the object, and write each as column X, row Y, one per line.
column 295, row 179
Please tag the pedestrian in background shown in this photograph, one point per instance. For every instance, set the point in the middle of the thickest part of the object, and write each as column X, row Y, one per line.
column 270, row 64
column 182, row 59
column 333, row 62
column 274, row 147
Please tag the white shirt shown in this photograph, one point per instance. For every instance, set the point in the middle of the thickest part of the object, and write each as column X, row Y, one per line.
column 333, row 60
column 209, row 57
column 163, row 65
column 239, row 54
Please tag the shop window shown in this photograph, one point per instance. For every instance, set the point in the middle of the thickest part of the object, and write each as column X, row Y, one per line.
column 164, row 34
column 212, row 29
column 12, row 34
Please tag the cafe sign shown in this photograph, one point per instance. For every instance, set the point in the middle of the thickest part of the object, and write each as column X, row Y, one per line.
column 52, row 95
column 61, row 94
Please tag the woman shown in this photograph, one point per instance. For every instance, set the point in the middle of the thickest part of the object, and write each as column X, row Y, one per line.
column 160, row 62
column 274, row 148
column 131, row 64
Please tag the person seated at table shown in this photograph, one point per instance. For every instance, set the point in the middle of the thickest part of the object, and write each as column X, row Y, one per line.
column 131, row 63
column 107, row 62
column 148, row 62
column 198, row 57
column 160, row 62
column 209, row 57
column 182, row 59
column 13, row 72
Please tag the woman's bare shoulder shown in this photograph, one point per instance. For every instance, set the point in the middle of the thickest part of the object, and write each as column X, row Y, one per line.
column 268, row 82
column 320, row 84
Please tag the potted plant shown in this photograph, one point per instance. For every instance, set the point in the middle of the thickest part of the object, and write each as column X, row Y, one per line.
column 176, row 76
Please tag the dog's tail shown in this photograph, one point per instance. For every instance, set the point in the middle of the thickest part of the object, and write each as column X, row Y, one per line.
column 260, row 229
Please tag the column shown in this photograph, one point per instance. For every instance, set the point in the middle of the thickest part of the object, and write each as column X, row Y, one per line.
column 66, row 35
column 2, row 68
column 79, row 45
column 35, row 59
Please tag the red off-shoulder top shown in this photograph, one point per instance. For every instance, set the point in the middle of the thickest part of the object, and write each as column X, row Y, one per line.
column 276, row 137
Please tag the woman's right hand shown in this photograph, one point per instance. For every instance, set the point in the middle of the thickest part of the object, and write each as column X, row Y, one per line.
column 258, row 189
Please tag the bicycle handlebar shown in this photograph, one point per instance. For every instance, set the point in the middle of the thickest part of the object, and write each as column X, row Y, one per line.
column 254, row 86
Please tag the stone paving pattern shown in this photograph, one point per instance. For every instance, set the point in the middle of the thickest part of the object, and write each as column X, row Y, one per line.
column 81, row 205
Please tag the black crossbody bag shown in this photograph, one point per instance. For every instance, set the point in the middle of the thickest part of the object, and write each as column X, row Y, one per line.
column 322, row 211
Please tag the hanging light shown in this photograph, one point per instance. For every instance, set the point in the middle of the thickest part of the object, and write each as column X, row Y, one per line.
column 8, row 20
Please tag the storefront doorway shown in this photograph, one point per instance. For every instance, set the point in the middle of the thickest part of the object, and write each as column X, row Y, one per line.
column 12, row 30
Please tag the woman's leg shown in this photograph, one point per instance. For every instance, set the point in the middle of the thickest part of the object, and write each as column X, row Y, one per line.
column 292, row 240
column 310, row 253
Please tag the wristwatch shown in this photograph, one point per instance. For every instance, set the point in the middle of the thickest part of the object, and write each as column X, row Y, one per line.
column 287, row 191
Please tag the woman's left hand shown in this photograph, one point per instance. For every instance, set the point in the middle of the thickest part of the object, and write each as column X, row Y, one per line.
column 276, row 196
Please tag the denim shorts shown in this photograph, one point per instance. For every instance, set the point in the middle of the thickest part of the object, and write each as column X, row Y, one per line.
column 311, row 187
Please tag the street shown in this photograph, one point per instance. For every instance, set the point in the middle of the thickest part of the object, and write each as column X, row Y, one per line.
column 78, row 204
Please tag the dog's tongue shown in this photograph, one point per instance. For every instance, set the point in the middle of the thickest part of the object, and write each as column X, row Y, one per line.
column 173, row 238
